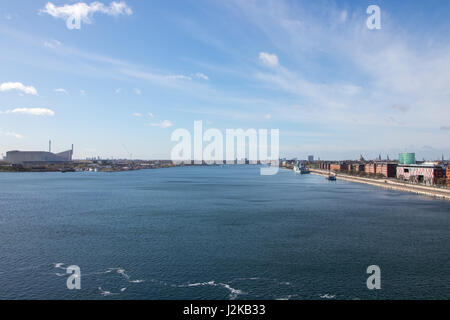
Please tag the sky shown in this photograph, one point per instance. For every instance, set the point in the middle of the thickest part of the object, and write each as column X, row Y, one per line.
column 116, row 78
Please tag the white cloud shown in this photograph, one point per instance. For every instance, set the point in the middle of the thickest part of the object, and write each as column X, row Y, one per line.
column 179, row 77
column 268, row 59
column 30, row 111
column 268, row 116
column 151, row 115
column 82, row 92
column 137, row 91
column 343, row 16
column 202, row 76
column 118, row 90
column 61, row 90
column 11, row 134
column 7, row 86
column 163, row 124
column 52, row 44
column 137, row 114
column 79, row 12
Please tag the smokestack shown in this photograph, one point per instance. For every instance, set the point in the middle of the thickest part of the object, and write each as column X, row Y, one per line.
column 49, row 145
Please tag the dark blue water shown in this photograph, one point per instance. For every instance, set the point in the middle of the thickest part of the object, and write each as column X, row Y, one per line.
column 217, row 233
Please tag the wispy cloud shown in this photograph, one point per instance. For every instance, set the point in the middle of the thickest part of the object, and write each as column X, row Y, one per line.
column 12, row 134
column 52, row 44
column 268, row 59
column 179, row 77
column 151, row 115
column 61, row 90
column 8, row 86
column 163, row 124
column 30, row 111
column 79, row 12
column 137, row 114
column 201, row 76
column 137, row 91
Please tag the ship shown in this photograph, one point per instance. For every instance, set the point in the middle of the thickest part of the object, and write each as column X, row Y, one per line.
column 300, row 168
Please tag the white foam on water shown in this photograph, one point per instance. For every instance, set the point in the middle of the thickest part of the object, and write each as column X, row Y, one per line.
column 327, row 296
column 209, row 283
column 285, row 298
column 137, row 281
column 233, row 292
column 123, row 273
column 59, row 265
column 123, row 289
column 105, row 293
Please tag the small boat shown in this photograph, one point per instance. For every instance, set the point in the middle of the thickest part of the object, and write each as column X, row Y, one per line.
column 331, row 178
column 64, row 170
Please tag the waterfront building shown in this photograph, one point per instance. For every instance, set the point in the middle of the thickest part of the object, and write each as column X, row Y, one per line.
column 357, row 167
column 370, row 168
column 310, row 158
column 448, row 177
column 426, row 173
column 38, row 157
column 338, row 167
column 387, row 169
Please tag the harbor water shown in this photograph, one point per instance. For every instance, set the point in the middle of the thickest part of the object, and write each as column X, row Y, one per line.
column 217, row 233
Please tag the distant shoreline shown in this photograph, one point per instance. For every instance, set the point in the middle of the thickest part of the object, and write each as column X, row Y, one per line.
column 391, row 185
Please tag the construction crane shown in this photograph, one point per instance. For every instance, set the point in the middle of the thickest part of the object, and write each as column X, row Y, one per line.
column 130, row 154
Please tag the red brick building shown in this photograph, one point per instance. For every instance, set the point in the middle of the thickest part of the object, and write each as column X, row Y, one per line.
column 388, row 170
column 448, row 176
column 370, row 168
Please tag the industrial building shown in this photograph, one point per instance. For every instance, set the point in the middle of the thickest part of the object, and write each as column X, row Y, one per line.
column 426, row 173
column 38, row 157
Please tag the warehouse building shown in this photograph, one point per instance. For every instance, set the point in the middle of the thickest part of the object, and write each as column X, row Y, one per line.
column 426, row 173
column 38, row 157
column 448, row 176
column 370, row 168
column 387, row 169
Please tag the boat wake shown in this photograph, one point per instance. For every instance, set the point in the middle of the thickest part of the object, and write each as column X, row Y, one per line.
column 234, row 293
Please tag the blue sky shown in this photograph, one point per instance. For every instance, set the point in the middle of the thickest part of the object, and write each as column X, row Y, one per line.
column 136, row 70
